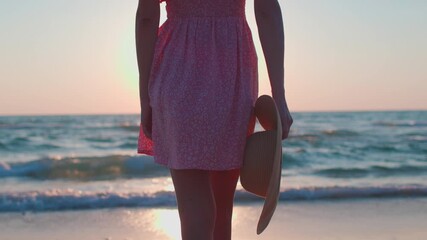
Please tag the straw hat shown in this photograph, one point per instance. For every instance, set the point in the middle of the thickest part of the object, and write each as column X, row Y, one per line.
column 262, row 164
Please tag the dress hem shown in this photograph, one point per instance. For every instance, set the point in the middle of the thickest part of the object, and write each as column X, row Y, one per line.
column 197, row 168
column 149, row 153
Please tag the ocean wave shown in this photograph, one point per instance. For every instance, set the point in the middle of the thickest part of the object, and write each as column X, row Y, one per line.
column 13, row 126
column 305, row 137
column 415, row 137
column 340, row 133
column 25, row 144
column 342, row 192
column 139, row 166
column 129, row 145
column 376, row 171
column 85, row 168
column 132, row 128
column 380, row 147
column 30, row 125
column 342, row 172
column 290, row 160
column 419, row 147
column 3, row 146
column 58, row 200
column 72, row 122
column 19, row 141
column 99, row 139
column 108, row 167
column 401, row 123
column 318, row 136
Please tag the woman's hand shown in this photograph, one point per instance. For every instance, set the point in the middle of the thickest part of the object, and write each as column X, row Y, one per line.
column 146, row 118
column 285, row 116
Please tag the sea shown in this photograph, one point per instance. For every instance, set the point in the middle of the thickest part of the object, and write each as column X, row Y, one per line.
column 76, row 162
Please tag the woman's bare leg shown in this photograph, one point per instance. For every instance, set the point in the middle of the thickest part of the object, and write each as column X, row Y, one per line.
column 224, row 186
column 196, row 204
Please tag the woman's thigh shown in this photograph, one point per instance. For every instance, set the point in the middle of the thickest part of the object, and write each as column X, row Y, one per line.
column 194, row 194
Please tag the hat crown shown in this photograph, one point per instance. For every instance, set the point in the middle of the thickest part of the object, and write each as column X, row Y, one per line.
column 255, row 174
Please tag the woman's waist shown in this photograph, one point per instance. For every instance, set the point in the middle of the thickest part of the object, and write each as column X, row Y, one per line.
column 235, row 18
column 204, row 11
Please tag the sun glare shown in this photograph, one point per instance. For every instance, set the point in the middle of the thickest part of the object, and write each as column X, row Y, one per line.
column 167, row 222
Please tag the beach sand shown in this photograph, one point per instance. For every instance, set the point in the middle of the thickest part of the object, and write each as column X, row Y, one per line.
column 391, row 219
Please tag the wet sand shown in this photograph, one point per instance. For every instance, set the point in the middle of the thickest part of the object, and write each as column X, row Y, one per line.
column 393, row 219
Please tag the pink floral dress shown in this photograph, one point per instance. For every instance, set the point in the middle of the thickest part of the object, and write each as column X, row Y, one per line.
column 203, row 86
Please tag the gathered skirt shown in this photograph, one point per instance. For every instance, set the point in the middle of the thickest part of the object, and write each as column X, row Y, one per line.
column 202, row 88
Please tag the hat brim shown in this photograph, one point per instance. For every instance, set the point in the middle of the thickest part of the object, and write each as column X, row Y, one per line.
column 264, row 145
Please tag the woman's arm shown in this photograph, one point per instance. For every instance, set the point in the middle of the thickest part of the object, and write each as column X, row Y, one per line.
column 270, row 29
column 147, row 24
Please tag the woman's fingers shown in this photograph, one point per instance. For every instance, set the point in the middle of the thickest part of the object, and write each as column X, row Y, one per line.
column 286, row 125
column 285, row 117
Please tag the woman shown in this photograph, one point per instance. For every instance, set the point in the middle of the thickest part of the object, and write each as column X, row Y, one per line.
column 198, row 85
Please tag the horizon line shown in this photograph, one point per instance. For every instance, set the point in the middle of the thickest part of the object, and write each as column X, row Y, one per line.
column 298, row 111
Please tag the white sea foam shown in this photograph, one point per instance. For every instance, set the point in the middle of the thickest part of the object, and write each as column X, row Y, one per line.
column 68, row 199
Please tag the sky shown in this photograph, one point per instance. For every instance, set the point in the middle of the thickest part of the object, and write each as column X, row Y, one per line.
column 78, row 57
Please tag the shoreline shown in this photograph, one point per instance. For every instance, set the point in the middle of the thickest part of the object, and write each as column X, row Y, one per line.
column 401, row 218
